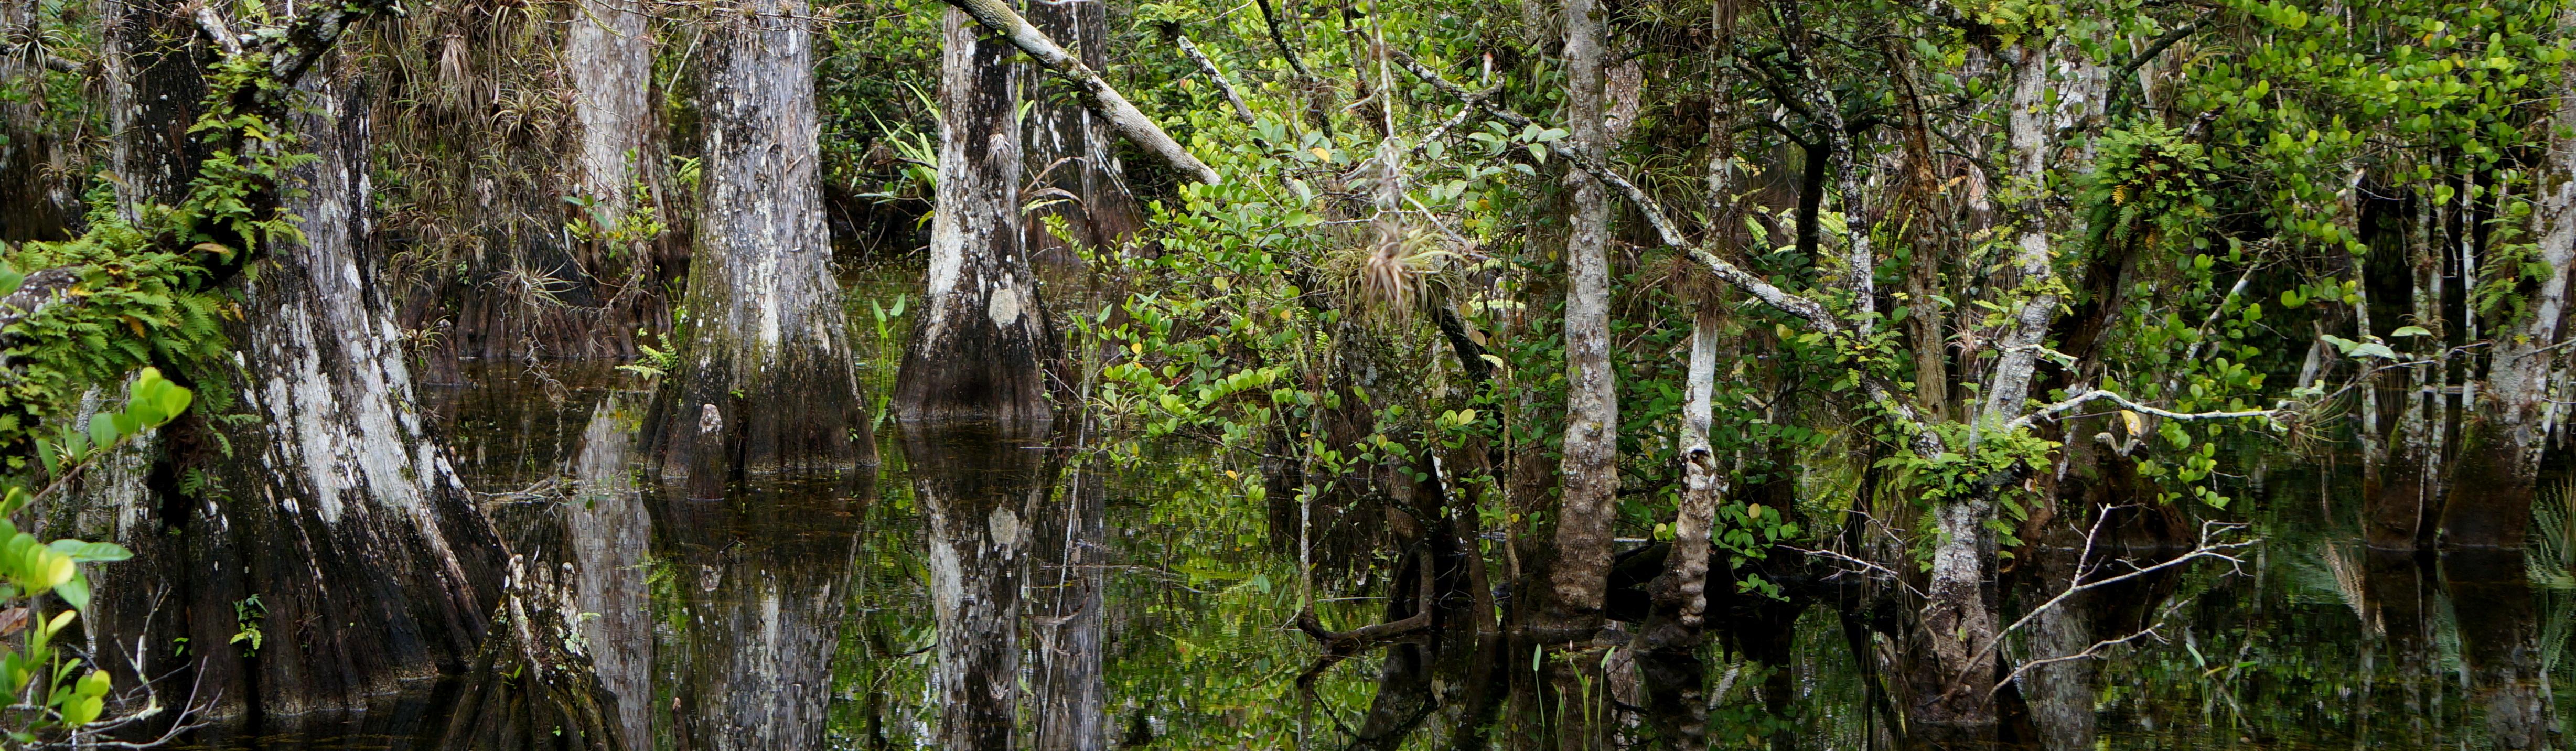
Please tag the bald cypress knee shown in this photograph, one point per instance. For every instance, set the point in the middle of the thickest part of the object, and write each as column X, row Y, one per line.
column 766, row 379
column 981, row 347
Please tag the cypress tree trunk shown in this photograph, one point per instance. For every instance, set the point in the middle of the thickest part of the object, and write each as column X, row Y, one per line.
column 766, row 379
column 982, row 345
column 327, row 503
column 2500, row 446
column 610, row 53
column 153, row 94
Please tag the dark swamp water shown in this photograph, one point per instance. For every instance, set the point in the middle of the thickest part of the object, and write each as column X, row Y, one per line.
column 1156, row 607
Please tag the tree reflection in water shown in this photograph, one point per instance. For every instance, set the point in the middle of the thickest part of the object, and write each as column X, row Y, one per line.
column 1100, row 601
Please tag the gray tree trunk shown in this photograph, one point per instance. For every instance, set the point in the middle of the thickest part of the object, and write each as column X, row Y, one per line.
column 982, row 345
column 1590, row 473
column 609, row 51
column 370, row 565
column 767, row 378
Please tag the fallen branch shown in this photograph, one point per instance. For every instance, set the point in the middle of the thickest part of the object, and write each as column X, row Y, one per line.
column 1103, row 99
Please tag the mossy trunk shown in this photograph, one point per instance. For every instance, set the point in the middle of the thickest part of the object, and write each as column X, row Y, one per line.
column 766, row 379
column 982, row 345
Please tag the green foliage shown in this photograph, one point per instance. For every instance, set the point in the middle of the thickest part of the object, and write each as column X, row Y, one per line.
column 29, row 569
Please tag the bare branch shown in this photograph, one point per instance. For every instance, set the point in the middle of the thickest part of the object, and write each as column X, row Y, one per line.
column 2105, row 394
column 1241, row 111
column 2086, row 654
column 2207, row 548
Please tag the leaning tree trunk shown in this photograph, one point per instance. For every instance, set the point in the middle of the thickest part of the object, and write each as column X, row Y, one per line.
column 766, row 379
column 2500, row 446
column 982, row 345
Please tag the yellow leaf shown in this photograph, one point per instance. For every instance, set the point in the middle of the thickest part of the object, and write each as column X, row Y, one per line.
column 2136, row 425
column 1753, row 512
column 1136, row 347
column 1321, row 153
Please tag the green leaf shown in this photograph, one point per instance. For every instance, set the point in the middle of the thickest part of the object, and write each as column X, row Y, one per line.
column 74, row 592
column 2410, row 331
column 91, row 552
column 102, row 430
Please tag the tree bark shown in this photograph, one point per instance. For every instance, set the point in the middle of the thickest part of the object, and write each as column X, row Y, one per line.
column 2501, row 442
column 154, row 92
column 1588, row 499
column 330, row 505
column 610, row 54
column 983, row 343
column 766, row 379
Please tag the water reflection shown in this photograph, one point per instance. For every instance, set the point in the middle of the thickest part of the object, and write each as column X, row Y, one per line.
column 979, row 483
column 989, row 590
column 758, row 592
